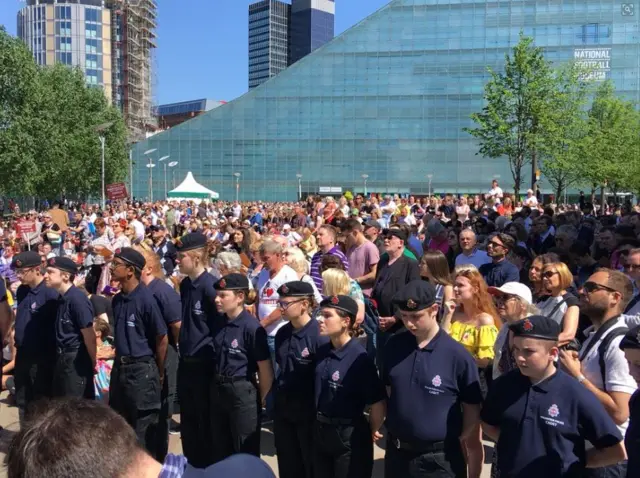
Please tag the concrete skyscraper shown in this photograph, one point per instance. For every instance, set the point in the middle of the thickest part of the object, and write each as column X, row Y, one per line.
column 110, row 40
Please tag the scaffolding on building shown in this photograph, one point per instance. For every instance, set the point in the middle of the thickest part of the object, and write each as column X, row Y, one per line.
column 133, row 25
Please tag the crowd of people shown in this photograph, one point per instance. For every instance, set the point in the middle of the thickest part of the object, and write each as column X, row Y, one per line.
column 433, row 322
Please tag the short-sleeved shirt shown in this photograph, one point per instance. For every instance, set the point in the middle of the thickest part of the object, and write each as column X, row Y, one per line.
column 616, row 366
column 36, row 319
column 296, row 354
column 102, row 305
column 428, row 386
column 498, row 274
column 268, row 297
column 316, row 262
column 632, row 437
column 555, row 307
column 543, row 427
column 239, row 345
column 199, row 314
column 346, row 381
column 168, row 301
column 75, row 313
column 362, row 258
column 138, row 323
column 477, row 258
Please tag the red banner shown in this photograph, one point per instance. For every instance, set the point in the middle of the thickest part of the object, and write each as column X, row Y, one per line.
column 25, row 227
column 117, row 191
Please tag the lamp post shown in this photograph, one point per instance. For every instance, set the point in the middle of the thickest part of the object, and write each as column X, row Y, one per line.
column 365, row 177
column 237, row 175
column 101, row 129
column 146, row 153
column 150, row 165
column 173, row 164
column 165, row 174
column 430, row 177
column 299, row 176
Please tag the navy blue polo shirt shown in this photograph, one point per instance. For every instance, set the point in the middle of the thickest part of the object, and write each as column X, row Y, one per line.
column 346, row 381
column 36, row 318
column 543, row 427
column 75, row 313
column 138, row 323
column 498, row 274
column 168, row 301
column 632, row 437
column 239, row 345
column 199, row 314
column 296, row 352
column 428, row 386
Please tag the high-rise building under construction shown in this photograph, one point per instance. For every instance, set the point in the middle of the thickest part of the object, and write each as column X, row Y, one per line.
column 112, row 41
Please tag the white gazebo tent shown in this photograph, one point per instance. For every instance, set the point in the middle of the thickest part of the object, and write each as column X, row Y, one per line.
column 191, row 189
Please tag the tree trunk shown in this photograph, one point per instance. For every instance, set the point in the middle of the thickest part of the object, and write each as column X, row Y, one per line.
column 534, row 170
column 559, row 189
column 593, row 194
column 602, row 200
column 517, row 179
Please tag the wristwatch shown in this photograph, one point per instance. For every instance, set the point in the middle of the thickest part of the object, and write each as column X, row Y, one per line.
column 581, row 378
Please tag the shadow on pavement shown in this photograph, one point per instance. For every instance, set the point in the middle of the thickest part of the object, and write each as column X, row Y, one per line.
column 267, row 443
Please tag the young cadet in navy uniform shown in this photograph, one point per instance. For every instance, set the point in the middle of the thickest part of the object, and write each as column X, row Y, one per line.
column 196, row 365
column 141, row 347
column 169, row 303
column 241, row 349
column 540, row 417
column 630, row 344
column 346, row 382
column 75, row 337
column 296, row 346
column 434, row 391
column 35, row 335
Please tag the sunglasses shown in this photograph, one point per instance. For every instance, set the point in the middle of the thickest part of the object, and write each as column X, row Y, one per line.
column 503, row 299
column 549, row 274
column 590, row 287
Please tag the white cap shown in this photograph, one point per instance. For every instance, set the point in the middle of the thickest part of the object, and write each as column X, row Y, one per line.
column 286, row 227
column 513, row 288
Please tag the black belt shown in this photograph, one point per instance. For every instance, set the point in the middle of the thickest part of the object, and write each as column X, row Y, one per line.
column 67, row 350
column 337, row 421
column 417, row 446
column 127, row 359
column 222, row 379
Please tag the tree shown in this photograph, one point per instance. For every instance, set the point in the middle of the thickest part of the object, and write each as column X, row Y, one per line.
column 509, row 124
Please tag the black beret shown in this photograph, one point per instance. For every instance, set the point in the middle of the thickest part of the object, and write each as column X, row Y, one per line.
column 536, row 327
column 295, row 288
column 131, row 257
column 232, row 282
column 64, row 264
column 343, row 303
column 25, row 260
column 399, row 233
column 631, row 340
column 416, row 295
column 193, row 240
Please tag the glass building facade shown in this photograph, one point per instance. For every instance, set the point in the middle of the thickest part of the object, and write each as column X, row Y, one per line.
column 312, row 25
column 388, row 99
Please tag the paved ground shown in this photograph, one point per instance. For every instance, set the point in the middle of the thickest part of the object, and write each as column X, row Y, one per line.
column 9, row 420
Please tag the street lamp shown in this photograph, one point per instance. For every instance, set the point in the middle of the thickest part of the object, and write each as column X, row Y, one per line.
column 365, row 177
column 165, row 174
column 430, row 177
column 299, row 176
column 237, row 175
column 173, row 164
column 151, row 166
column 146, row 153
column 100, row 129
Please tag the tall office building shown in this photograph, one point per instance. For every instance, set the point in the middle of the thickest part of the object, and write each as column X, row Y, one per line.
column 312, row 25
column 110, row 40
column 268, row 40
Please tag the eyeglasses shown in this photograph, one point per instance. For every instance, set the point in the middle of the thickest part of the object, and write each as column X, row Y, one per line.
column 590, row 287
column 495, row 244
column 631, row 267
column 286, row 305
column 549, row 274
column 503, row 299
column 114, row 265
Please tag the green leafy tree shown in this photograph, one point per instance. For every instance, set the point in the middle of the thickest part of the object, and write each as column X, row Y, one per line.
column 516, row 99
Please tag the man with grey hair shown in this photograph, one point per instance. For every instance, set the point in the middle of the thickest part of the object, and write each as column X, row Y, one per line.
column 470, row 254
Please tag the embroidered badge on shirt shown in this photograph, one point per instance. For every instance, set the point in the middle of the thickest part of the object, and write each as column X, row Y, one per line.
column 553, row 411
column 234, row 344
column 437, row 381
column 336, row 376
column 34, row 306
column 305, row 352
column 131, row 322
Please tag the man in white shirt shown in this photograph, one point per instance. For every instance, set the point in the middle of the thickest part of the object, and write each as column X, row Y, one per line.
column 237, row 209
column 496, row 192
column 388, row 207
column 138, row 227
column 531, row 200
column 470, row 253
column 605, row 373
column 292, row 237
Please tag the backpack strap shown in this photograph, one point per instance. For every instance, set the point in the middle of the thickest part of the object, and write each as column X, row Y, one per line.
column 604, row 347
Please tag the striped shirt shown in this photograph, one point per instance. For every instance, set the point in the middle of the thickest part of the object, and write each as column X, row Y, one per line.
column 316, row 262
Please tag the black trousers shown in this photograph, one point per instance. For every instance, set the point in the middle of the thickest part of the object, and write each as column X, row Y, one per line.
column 168, row 394
column 33, row 377
column 235, row 419
column 448, row 463
column 195, row 379
column 92, row 279
column 343, row 451
column 73, row 375
column 293, row 433
column 134, row 393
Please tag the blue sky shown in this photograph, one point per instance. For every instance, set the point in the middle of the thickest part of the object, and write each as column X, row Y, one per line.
column 202, row 44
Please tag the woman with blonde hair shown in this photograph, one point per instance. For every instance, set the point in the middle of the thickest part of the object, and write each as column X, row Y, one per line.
column 295, row 259
column 339, row 283
column 434, row 267
column 559, row 305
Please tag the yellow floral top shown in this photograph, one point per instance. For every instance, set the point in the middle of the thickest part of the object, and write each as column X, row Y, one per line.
column 477, row 340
